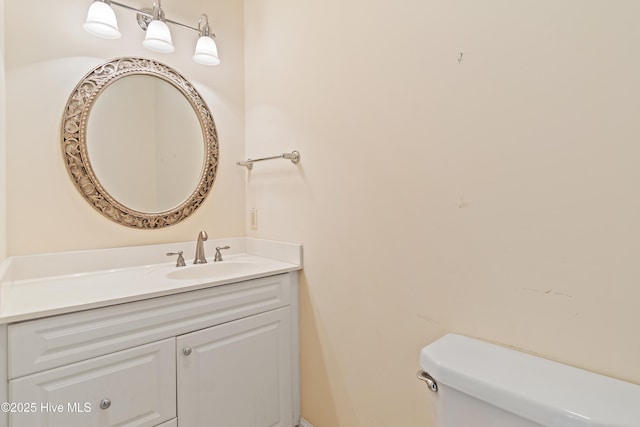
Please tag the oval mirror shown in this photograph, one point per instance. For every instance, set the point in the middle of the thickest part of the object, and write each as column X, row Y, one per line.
column 140, row 143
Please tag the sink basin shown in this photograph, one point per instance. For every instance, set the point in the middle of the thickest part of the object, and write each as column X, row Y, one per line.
column 211, row 270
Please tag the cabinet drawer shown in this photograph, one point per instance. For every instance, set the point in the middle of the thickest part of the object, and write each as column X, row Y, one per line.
column 134, row 387
column 42, row 344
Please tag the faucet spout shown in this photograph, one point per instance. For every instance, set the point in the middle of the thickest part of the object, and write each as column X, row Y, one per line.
column 200, row 258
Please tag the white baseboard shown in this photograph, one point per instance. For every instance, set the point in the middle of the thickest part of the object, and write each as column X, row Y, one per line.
column 304, row 423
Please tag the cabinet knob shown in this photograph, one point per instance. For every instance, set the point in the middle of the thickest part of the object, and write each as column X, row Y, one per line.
column 186, row 351
column 105, row 403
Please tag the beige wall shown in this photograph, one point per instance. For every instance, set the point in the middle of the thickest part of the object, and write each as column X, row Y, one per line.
column 3, row 163
column 496, row 196
column 47, row 53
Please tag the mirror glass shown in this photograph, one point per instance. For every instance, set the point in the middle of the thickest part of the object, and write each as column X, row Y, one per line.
column 145, row 143
column 139, row 143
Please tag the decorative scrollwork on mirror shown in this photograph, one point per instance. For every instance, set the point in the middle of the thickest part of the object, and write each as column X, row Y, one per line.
column 76, row 147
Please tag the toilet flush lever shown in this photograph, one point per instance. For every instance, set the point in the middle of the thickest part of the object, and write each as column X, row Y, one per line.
column 431, row 383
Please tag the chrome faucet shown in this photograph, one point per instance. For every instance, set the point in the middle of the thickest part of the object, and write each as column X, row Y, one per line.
column 200, row 258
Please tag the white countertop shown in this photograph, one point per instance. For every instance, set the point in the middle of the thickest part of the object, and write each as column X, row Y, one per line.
column 50, row 284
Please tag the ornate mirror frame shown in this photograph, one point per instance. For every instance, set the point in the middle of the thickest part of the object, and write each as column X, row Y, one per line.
column 74, row 142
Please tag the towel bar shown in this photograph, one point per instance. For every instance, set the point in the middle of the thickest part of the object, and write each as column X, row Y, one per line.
column 294, row 156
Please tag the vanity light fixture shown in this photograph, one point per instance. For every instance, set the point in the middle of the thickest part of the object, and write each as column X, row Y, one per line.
column 158, row 35
column 206, row 49
column 101, row 21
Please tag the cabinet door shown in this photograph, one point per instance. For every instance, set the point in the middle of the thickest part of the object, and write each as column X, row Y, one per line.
column 237, row 374
column 134, row 387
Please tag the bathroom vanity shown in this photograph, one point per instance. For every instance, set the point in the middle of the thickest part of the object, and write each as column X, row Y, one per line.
column 130, row 342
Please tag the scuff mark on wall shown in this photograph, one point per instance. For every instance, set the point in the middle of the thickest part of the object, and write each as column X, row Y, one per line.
column 462, row 204
column 427, row 319
column 546, row 292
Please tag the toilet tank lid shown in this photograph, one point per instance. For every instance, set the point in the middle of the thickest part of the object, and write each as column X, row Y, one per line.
column 540, row 390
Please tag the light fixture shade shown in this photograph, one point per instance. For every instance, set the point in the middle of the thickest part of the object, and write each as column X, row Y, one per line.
column 206, row 51
column 158, row 37
column 101, row 21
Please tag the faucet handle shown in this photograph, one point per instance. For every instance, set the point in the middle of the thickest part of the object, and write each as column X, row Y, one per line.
column 180, row 260
column 218, row 256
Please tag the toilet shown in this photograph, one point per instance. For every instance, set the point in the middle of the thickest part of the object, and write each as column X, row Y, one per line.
column 473, row 383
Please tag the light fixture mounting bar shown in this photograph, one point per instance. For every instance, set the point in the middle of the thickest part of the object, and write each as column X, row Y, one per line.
column 150, row 15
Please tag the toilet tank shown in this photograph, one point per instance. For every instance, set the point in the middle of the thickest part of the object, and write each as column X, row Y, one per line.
column 485, row 385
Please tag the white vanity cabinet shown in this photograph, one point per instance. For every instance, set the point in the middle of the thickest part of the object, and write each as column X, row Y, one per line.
column 221, row 356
